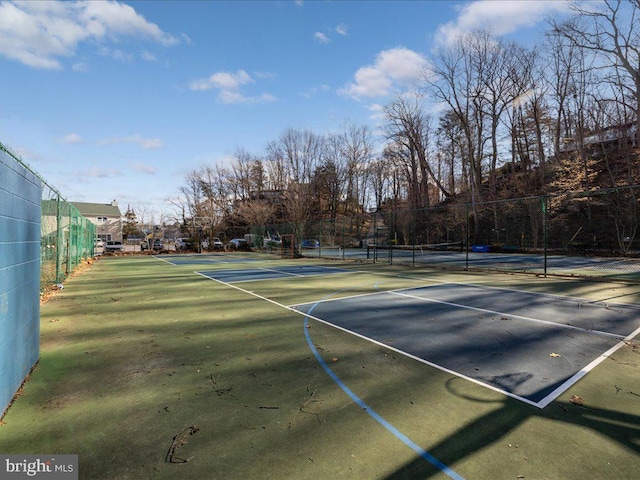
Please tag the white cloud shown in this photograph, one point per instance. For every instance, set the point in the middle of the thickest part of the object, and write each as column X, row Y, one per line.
column 146, row 143
column 116, row 54
column 497, row 16
column 144, row 168
column 321, row 37
column 313, row 91
column 72, row 139
column 228, row 85
column 97, row 172
column 377, row 111
column 80, row 67
column 148, row 56
column 267, row 75
column 222, row 80
column 39, row 33
column 341, row 29
column 393, row 69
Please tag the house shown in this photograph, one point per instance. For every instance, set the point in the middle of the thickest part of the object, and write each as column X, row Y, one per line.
column 106, row 217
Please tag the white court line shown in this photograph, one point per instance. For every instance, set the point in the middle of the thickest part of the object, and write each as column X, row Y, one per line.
column 481, row 286
column 586, row 369
column 504, row 289
column 540, row 404
column 164, row 260
column 319, row 274
column 384, row 345
column 519, row 317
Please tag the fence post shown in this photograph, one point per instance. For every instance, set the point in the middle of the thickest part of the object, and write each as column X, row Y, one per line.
column 375, row 235
column 544, row 231
column 58, row 248
column 413, row 237
column 466, row 234
column 344, row 227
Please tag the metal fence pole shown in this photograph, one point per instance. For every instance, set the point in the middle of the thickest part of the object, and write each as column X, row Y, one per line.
column 466, row 234
column 344, row 245
column 375, row 236
column 544, row 231
column 413, row 237
column 58, row 246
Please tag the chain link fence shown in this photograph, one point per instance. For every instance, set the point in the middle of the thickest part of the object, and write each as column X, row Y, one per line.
column 592, row 234
column 66, row 237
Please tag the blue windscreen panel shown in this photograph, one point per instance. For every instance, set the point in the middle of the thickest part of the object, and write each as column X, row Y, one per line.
column 20, row 219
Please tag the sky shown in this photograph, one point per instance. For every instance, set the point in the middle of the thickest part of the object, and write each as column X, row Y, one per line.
column 121, row 100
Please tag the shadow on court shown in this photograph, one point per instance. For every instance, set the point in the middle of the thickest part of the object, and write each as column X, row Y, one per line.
column 135, row 351
column 494, row 427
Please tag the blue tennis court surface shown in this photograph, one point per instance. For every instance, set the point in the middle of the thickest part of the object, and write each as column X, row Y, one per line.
column 253, row 274
column 510, row 261
column 503, row 339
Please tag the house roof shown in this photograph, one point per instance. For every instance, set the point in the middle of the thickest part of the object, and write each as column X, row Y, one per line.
column 97, row 209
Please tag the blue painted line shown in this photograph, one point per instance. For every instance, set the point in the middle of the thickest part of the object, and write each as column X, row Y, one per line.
column 372, row 413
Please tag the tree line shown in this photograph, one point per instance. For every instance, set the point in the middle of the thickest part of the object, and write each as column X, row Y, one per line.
column 500, row 107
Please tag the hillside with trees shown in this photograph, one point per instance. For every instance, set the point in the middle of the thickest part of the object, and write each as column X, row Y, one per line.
column 492, row 120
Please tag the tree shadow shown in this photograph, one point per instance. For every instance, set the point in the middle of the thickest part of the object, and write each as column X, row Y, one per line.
column 620, row 427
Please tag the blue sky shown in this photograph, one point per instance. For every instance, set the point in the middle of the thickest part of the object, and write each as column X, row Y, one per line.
column 120, row 100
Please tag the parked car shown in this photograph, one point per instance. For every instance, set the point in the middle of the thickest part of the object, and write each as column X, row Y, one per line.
column 310, row 244
column 114, row 247
column 217, row 244
column 158, row 244
column 98, row 246
column 238, row 244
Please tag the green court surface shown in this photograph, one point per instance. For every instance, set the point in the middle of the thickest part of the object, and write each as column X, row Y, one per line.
column 254, row 367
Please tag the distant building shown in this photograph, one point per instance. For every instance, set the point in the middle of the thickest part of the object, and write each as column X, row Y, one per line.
column 106, row 217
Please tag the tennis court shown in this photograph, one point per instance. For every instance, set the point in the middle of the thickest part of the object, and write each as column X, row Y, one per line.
column 529, row 346
column 252, row 366
column 449, row 256
column 198, row 259
column 253, row 274
column 499, row 339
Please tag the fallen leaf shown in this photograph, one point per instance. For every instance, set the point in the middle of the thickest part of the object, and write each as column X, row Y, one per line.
column 554, row 355
column 576, row 400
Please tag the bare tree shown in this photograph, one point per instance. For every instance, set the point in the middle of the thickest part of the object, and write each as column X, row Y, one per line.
column 329, row 178
column 409, row 130
column 449, row 148
column 355, row 143
column 257, row 213
column 455, row 82
column 292, row 159
column 471, row 78
column 610, row 32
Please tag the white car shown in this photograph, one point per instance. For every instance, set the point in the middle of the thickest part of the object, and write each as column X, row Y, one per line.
column 238, row 244
column 98, row 246
column 114, row 247
column 217, row 244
